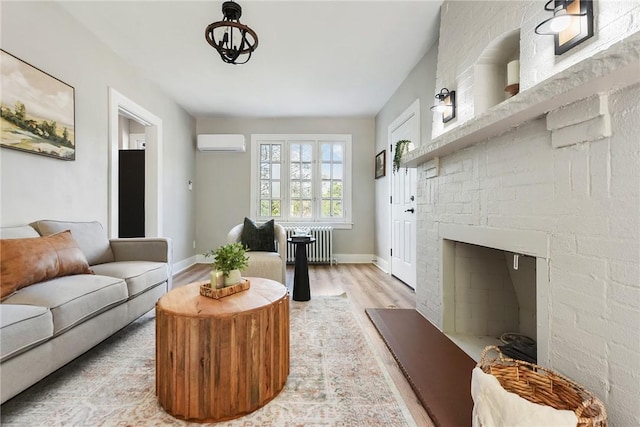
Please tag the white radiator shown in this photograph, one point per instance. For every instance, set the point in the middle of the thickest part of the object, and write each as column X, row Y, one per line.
column 318, row 252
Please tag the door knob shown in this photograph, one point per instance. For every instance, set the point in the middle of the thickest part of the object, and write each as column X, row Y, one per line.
column 410, row 210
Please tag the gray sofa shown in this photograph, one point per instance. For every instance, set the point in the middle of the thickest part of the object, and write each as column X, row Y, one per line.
column 46, row 325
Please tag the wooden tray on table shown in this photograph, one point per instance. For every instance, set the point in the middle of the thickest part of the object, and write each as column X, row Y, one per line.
column 207, row 291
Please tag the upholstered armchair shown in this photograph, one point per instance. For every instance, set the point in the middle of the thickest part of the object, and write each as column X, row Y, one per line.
column 270, row 265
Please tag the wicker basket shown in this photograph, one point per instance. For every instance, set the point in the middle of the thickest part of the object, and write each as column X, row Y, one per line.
column 545, row 387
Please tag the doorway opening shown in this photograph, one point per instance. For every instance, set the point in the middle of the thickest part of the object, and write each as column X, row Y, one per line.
column 121, row 106
column 131, row 176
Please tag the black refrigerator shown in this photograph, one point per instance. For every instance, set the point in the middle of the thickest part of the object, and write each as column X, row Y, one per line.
column 131, row 193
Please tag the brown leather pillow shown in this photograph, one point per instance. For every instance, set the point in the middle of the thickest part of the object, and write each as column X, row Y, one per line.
column 27, row 261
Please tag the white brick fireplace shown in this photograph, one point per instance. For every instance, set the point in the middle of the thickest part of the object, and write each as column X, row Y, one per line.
column 552, row 173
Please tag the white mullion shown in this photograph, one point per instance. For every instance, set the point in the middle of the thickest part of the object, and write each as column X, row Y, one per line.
column 284, row 182
column 316, row 180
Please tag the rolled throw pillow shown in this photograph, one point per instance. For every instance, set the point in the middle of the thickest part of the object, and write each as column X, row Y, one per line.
column 258, row 238
column 24, row 262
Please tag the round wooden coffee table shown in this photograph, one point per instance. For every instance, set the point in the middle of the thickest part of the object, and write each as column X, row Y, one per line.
column 221, row 359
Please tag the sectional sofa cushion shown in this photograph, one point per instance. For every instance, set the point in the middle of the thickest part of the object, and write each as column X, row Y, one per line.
column 139, row 275
column 91, row 237
column 73, row 299
column 36, row 259
column 22, row 327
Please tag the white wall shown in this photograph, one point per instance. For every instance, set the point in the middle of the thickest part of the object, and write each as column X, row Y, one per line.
column 419, row 84
column 37, row 187
column 222, row 183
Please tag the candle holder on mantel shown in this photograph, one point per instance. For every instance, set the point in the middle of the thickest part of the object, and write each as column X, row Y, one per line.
column 513, row 78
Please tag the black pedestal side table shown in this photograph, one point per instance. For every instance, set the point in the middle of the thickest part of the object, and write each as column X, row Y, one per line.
column 301, row 291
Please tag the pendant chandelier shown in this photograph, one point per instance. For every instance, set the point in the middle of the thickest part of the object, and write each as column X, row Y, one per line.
column 235, row 42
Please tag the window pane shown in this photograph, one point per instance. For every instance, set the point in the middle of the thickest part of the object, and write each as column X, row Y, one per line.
column 264, row 152
column 306, row 153
column 264, row 207
column 295, row 171
column 326, row 152
column 337, row 171
column 306, row 209
column 326, row 171
column 326, row 208
column 264, row 189
column 295, row 208
column 306, row 189
column 336, row 189
column 275, row 190
column 264, row 170
column 275, row 153
column 337, row 153
column 295, row 152
column 275, row 171
column 306, row 171
column 295, row 189
column 326, row 189
column 275, row 208
column 337, row 208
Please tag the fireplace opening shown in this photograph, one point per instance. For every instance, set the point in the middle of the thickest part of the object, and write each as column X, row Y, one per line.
column 489, row 294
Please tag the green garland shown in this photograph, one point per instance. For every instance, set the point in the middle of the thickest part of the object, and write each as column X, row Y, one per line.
column 401, row 147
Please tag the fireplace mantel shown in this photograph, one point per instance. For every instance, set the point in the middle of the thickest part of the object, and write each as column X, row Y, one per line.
column 618, row 66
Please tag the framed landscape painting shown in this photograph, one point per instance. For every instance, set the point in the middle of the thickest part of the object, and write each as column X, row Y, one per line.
column 37, row 111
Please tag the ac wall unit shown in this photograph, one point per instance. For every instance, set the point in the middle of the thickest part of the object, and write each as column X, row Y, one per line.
column 229, row 143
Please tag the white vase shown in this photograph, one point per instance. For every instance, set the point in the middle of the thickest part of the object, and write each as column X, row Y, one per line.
column 233, row 278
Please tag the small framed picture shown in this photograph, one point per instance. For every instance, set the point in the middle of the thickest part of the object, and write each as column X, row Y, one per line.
column 381, row 164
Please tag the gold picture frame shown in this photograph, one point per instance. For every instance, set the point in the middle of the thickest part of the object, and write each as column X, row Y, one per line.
column 36, row 109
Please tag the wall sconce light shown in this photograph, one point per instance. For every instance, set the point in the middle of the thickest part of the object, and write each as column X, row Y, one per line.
column 571, row 23
column 446, row 104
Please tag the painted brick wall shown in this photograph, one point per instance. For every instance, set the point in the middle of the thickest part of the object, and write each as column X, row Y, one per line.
column 573, row 174
column 468, row 28
column 586, row 196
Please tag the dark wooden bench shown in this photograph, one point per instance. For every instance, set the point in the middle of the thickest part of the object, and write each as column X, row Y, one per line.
column 438, row 370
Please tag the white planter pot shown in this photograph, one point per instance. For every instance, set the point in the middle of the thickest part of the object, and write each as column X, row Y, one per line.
column 233, row 278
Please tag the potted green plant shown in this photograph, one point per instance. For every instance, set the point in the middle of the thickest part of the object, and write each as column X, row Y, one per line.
column 229, row 259
column 402, row 146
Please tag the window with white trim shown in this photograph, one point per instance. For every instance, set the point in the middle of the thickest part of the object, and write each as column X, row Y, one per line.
column 301, row 179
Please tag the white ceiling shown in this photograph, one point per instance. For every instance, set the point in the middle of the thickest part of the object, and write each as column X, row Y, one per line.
column 314, row 58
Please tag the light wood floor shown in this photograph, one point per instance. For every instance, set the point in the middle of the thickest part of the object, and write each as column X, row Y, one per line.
column 366, row 287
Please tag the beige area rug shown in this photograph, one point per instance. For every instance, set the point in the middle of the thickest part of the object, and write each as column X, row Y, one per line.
column 336, row 379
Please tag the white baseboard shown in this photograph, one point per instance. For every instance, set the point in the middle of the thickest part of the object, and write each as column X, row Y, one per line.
column 382, row 264
column 339, row 258
column 183, row 265
column 354, row 258
column 201, row 259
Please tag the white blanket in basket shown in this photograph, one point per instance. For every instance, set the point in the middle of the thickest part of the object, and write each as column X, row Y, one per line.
column 495, row 407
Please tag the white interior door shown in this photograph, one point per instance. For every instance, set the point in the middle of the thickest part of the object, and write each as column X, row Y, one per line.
column 403, row 202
